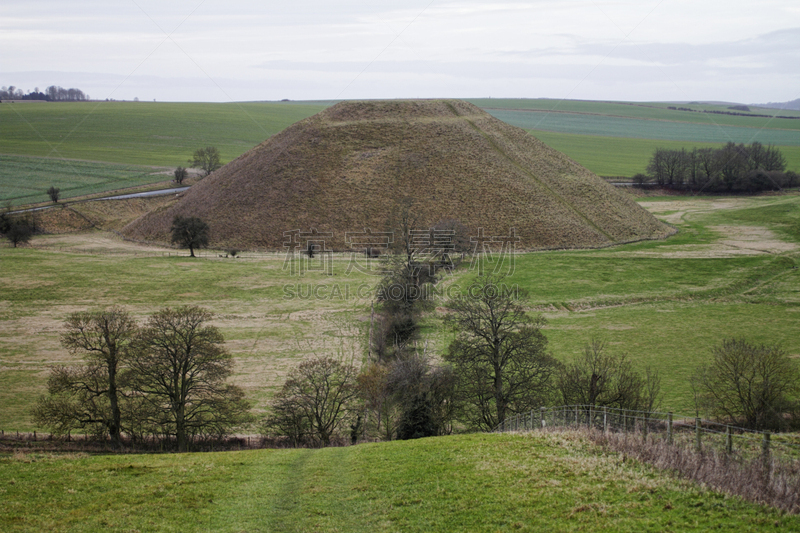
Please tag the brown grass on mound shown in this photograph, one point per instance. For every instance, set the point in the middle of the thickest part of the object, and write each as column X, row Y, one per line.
column 349, row 167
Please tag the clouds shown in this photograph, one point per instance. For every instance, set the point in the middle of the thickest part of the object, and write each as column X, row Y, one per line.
column 644, row 50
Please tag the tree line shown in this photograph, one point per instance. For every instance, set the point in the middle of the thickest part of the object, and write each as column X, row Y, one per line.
column 53, row 93
column 731, row 168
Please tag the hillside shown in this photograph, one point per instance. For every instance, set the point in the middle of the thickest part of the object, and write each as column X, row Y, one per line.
column 351, row 166
column 479, row 482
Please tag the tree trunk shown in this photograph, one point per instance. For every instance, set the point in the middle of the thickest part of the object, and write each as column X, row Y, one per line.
column 116, row 417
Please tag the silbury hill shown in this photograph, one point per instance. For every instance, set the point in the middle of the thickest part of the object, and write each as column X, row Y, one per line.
column 356, row 165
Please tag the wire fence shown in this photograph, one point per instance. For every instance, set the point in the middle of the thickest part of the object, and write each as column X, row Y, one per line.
column 689, row 432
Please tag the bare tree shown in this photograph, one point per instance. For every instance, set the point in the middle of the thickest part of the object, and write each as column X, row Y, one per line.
column 315, row 400
column 600, row 378
column 499, row 353
column 181, row 367
column 750, row 384
column 376, row 392
column 90, row 395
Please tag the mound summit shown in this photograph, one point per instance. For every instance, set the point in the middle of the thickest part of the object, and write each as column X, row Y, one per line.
column 349, row 167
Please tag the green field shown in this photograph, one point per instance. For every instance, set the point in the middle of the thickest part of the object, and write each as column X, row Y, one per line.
column 144, row 133
column 660, row 130
column 730, row 271
column 649, row 111
column 25, row 179
column 618, row 138
column 617, row 156
column 609, row 138
column 479, row 482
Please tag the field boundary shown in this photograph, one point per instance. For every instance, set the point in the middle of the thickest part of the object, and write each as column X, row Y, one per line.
column 757, row 465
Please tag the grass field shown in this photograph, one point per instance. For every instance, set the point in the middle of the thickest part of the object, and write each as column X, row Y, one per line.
column 26, row 179
column 619, row 156
column 144, row 133
column 609, row 138
column 480, row 482
column 650, row 111
column 609, row 126
column 728, row 272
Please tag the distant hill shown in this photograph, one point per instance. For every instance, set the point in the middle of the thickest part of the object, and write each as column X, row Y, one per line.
column 793, row 105
column 349, row 167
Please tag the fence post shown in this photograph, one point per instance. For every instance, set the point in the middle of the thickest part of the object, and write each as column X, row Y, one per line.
column 605, row 420
column 697, row 443
column 644, row 426
column 728, row 439
column 765, row 451
column 532, row 420
column 669, row 427
column 542, row 415
column 625, row 421
column 576, row 417
column 591, row 417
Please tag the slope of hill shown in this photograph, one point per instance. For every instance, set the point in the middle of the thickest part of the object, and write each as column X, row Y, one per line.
column 479, row 482
column 350, row 167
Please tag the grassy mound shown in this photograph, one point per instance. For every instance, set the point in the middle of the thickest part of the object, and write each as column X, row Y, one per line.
column 349, row 168
column 480, row 482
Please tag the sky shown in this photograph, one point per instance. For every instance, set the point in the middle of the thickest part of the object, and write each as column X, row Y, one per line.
column 236, row 50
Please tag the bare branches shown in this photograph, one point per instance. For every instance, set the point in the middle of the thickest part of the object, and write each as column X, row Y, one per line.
column 753, row 385
column 499, row 354
column 180, row 367
column 315, row 400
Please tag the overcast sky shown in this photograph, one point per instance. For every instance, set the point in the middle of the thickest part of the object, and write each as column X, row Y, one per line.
column 234, row 50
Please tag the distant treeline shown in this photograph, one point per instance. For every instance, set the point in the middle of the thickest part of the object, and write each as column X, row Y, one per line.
column 735, row 113
column 53, row 93
column 732, row 168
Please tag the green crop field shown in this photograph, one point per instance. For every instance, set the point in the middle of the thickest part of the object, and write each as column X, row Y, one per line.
column 145, row 133
column 730, row 271
column 619, row 156
column 650, row 111
column 610, row 126
column 479, row 482
column 25, row 179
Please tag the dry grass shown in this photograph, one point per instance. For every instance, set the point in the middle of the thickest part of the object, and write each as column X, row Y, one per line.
column 345, row 169
column 776, row 483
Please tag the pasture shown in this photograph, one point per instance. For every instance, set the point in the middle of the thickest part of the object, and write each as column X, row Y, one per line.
column 478, row 482
column 730, row 271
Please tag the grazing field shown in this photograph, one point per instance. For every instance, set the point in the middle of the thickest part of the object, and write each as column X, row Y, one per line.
column 730, row 271
column 479, row 482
